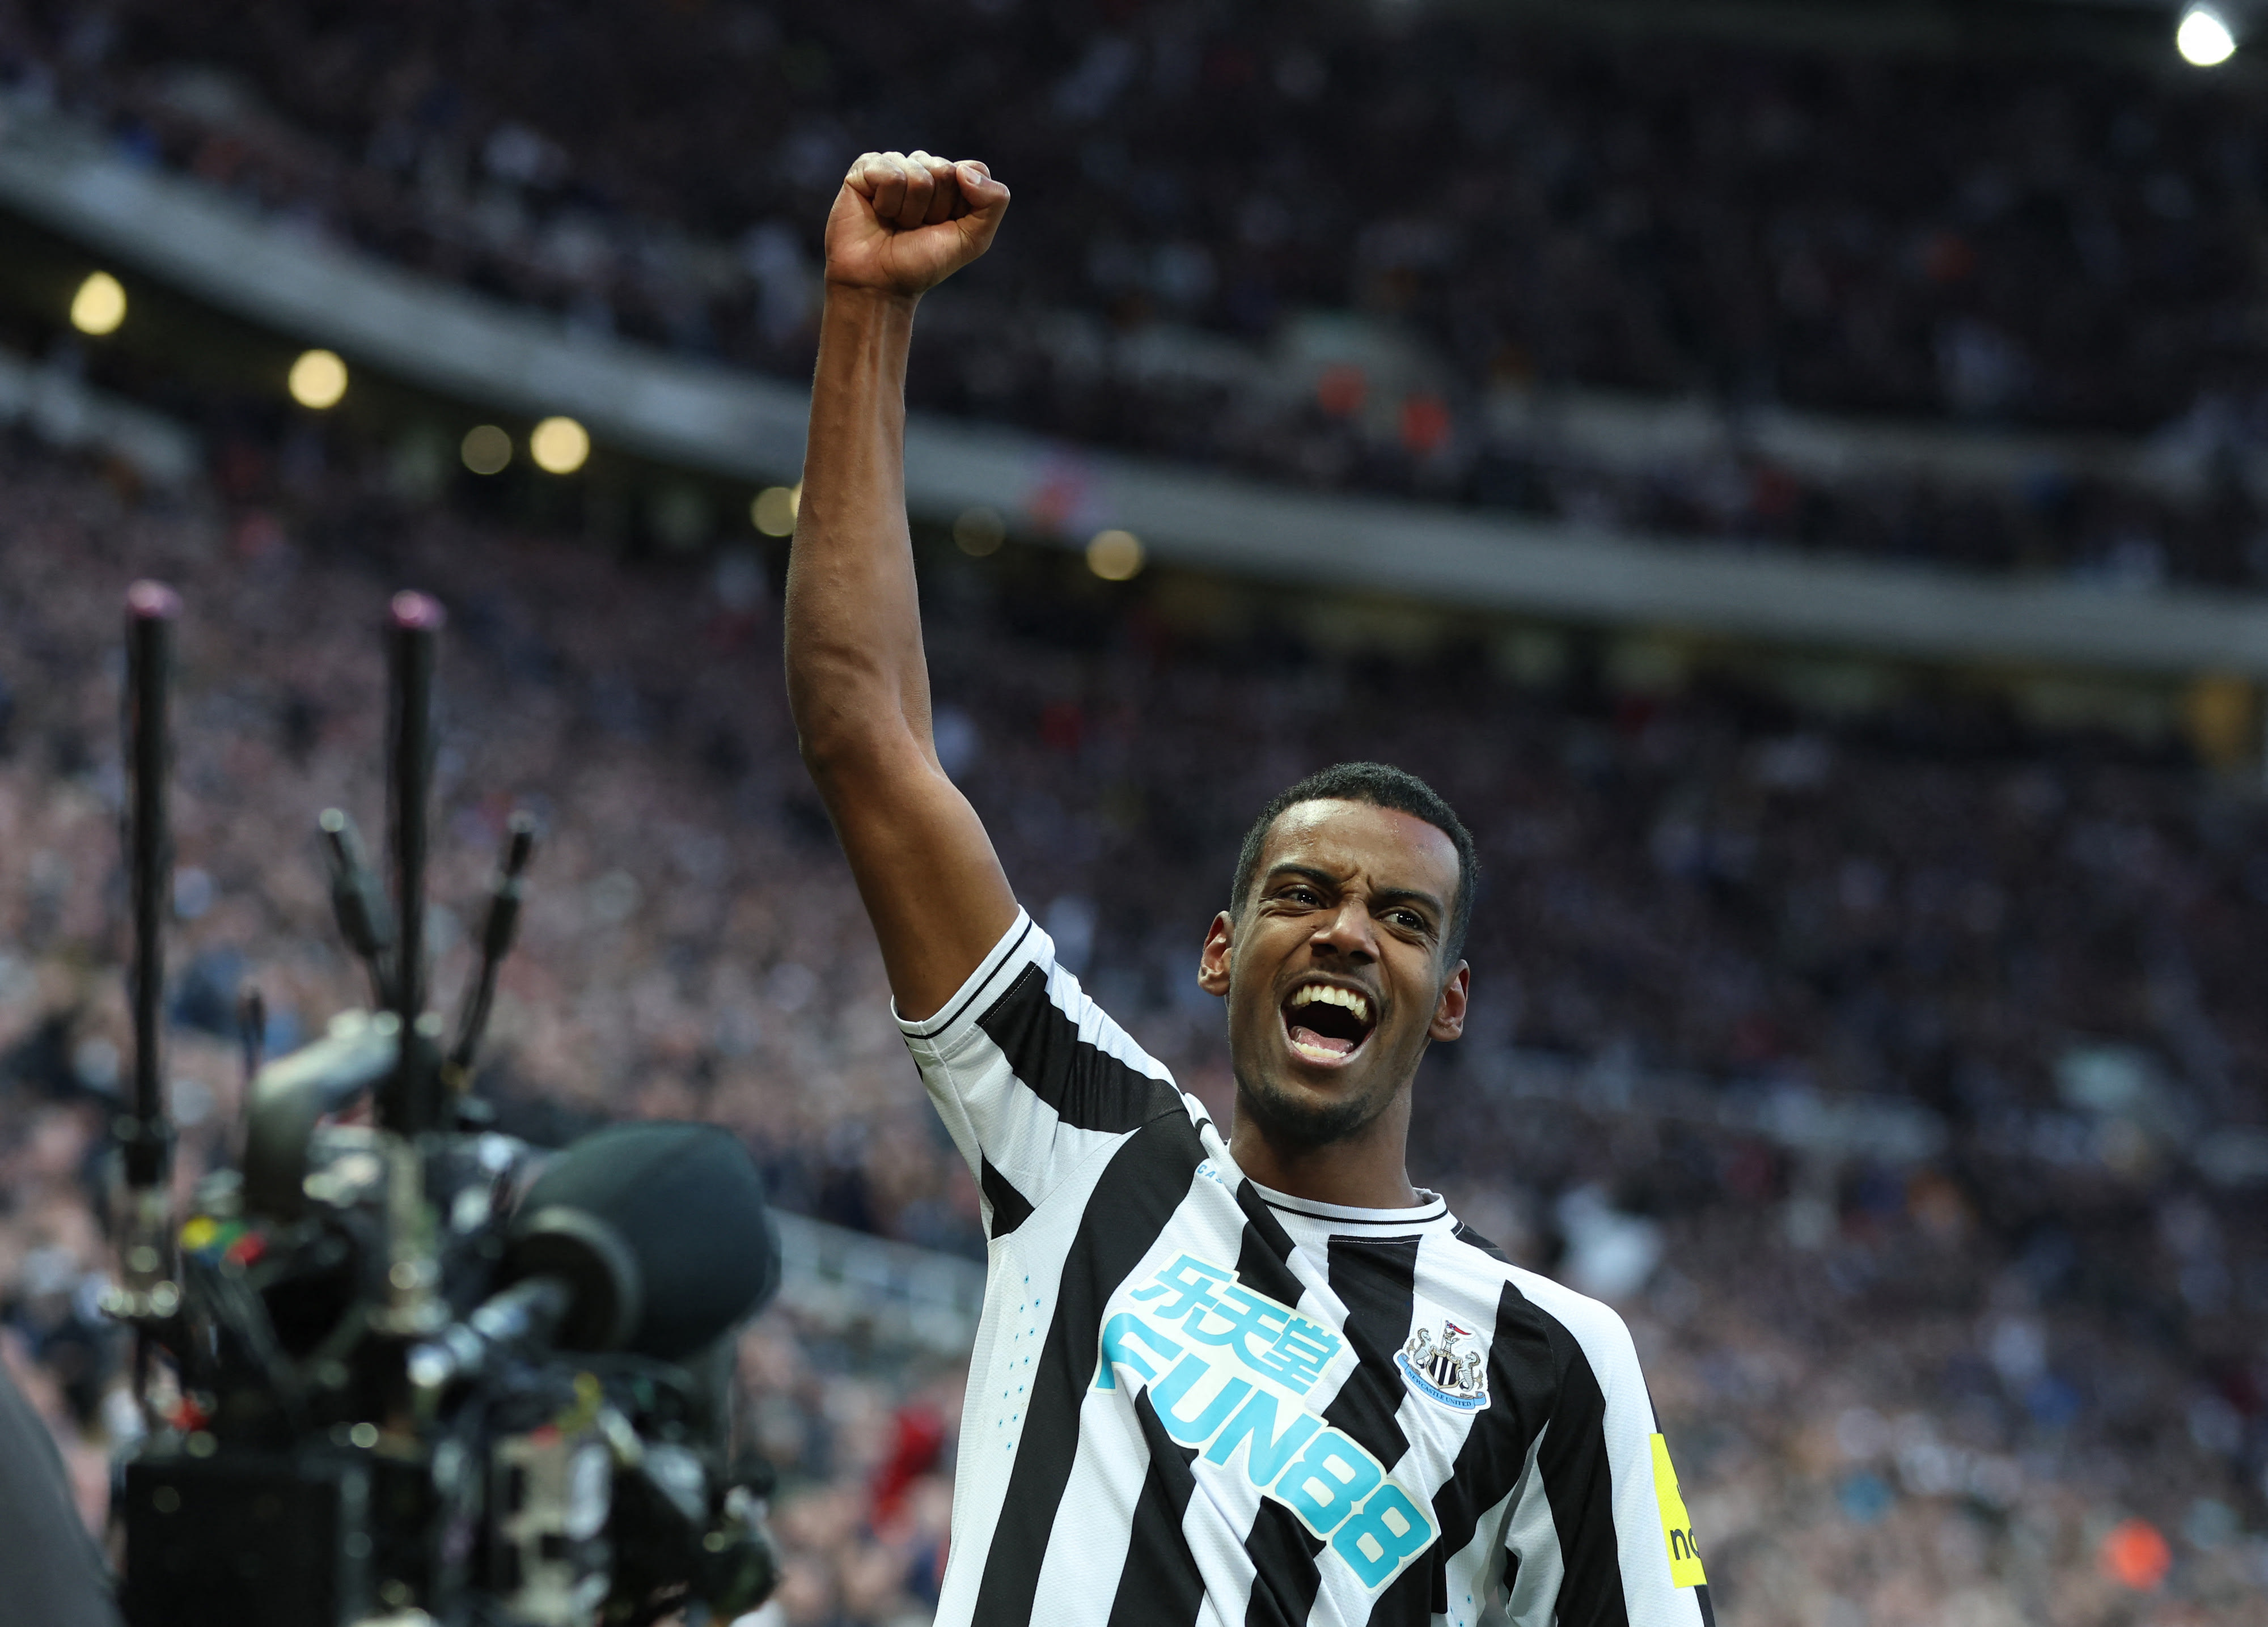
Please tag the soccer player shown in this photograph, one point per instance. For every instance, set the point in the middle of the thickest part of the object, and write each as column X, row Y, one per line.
column 1252, row 1378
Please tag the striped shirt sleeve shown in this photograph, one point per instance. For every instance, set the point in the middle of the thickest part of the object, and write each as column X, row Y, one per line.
column 1030, row 1076
column 1603, row 1539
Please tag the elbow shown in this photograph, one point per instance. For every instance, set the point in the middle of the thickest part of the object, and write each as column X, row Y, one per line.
column 851, row 721
column 837, row 711
column 842, row 748
column 828, row 755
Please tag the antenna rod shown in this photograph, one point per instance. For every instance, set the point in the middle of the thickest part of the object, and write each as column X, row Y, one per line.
column 252, row 1031
column 495, row 943
column 358, row 902
column 412, row 1106
column 148, row 1293
column 151, row 609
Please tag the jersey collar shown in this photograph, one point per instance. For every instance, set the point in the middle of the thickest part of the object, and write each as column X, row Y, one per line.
column 1431, row 1210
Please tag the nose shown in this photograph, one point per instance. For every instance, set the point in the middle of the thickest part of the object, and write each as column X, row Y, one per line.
column 1350, row 933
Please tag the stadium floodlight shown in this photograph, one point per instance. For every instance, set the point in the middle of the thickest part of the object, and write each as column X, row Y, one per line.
column 486, row 449
column 2204, row 37
column 559, row 445
column 980, row 531
column 99, row 305
column 318, row 379
column 775, row 510
column 1114, row 555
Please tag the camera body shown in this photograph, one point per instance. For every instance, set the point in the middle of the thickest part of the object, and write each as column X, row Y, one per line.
column 415, row 1371
column 476, row 1431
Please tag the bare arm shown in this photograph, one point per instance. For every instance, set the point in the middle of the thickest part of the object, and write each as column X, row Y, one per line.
column 857, row 677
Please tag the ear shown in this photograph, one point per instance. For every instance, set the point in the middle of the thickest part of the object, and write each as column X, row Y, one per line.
column 1449, row 1011
column 1212, row 965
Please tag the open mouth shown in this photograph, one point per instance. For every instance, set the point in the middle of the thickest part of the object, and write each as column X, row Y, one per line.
column 1327, row 1024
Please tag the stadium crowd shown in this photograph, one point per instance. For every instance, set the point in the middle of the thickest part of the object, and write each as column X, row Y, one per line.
column 2042, row 240
column 2015, row 1378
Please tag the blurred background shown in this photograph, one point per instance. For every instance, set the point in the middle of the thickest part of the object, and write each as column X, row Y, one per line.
column 1795, row 475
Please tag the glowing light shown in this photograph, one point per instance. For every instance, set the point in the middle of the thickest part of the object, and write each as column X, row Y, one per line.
column 487, row 449
column 774, row 509
column 2135, row 1555
column 2204, row 37
column 979, row 532
column 559, row 445
column 1114, row 555
column 99, row 305
column 319, row 379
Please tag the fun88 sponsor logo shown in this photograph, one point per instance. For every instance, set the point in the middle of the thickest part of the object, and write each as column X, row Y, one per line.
column 1225, row 1366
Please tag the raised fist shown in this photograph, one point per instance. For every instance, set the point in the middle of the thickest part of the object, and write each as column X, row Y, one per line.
column 905, row 222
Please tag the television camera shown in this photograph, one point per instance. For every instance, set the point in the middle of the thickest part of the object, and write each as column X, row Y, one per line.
column 401, row 1368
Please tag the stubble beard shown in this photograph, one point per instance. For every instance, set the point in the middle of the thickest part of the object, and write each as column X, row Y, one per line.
column 1290, row 1121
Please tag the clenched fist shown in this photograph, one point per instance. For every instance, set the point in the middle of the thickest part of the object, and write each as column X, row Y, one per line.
column 905, row 222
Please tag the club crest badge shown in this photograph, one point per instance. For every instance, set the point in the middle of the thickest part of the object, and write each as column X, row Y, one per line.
column 1439, row 1370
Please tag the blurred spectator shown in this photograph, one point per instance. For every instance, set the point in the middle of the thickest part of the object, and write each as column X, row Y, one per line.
column 1901, row 1388
column 1482, row 209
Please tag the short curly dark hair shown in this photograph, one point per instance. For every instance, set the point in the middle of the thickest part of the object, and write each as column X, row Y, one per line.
column 1384, row 786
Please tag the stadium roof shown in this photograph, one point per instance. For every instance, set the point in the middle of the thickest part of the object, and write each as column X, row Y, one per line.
column 742, row 426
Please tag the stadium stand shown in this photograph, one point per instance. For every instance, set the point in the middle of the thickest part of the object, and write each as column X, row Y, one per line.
column 640, row 401
column 1932, row 1361
column 1853, row 234
column 1881, row 1040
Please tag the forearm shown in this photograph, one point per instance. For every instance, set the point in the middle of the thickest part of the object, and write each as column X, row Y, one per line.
column 855, row 664
column 857, row 679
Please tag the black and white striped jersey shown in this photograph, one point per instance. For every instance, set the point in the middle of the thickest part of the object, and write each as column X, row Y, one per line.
column 1194, row 1400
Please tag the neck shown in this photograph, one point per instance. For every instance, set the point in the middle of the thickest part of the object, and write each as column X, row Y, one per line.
column 1368, row 1169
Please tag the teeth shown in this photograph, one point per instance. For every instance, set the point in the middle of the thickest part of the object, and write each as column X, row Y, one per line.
column 1310, row 994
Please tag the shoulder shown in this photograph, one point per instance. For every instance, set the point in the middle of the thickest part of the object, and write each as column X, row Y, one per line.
column 1594, row 1322
column 1583, row 1332
column 1019, row 984
column 1599, row 1339
column 1022, row 1021
column 1023, row 952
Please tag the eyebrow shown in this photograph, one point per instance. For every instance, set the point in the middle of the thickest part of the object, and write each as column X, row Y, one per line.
column 1384, row 898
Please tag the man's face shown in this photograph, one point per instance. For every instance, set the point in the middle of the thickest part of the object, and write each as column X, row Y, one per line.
column 1332, row 968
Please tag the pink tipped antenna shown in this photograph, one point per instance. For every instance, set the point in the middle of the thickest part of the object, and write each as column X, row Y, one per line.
column 413, row 1104
column 152, row 609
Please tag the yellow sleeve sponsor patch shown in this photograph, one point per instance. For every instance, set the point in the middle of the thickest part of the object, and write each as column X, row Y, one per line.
column 1677, row 1524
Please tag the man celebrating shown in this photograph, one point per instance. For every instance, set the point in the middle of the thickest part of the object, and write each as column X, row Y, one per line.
column 1257, row 1378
